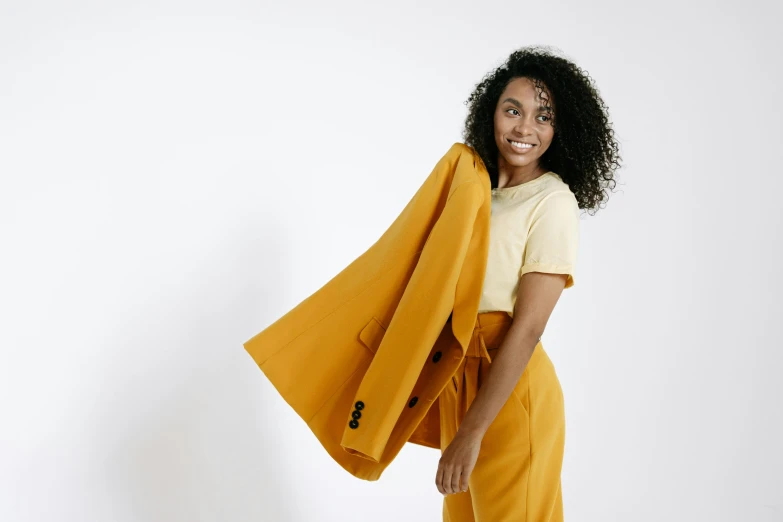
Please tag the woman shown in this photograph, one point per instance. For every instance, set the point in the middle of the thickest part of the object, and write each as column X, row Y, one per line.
column 542, row 131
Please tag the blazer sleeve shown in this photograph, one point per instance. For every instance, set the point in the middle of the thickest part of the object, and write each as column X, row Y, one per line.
column 425, row 305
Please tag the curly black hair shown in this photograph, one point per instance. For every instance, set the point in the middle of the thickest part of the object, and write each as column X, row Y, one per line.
column 583, row 152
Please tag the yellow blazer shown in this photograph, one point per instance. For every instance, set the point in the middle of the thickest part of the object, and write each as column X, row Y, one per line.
column 358, row 359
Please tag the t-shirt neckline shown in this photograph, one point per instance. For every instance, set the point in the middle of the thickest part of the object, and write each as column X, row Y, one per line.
column 509, row 190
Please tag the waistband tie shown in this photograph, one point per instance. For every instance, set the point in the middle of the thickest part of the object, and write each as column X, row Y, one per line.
column 478, row 348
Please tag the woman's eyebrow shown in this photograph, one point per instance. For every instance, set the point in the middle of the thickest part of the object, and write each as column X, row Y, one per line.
column 514, row 101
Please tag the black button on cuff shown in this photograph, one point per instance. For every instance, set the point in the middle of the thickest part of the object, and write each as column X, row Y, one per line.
column 413, row 402
column 359, row 405
column 356, row 414
column 353, row 424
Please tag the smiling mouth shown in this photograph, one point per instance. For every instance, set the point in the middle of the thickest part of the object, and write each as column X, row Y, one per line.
column 516, row 147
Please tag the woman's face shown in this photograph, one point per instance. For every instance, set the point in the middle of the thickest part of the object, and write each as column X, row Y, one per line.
column 521, row 116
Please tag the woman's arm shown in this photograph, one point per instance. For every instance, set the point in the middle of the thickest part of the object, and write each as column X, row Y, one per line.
column 536, row 298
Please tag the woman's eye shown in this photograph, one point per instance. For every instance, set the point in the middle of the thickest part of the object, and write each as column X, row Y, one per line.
column 512, row 110
column 547, row 117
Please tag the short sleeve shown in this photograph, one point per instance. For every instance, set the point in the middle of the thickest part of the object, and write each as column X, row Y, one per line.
column 553, row 239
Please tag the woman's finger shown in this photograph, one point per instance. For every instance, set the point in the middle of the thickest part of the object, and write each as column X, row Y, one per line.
column 455, row 479
column 447, row 472
column 439, row 479
column 466, row 477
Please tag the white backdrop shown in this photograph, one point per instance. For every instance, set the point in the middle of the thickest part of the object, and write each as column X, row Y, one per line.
column 176, row 175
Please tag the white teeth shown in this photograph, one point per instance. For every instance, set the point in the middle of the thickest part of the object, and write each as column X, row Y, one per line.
column 521, row 145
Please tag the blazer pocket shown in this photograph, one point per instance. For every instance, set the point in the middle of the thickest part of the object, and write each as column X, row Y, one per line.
column 371, row 334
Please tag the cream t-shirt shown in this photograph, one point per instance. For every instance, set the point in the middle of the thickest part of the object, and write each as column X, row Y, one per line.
column 534, row 227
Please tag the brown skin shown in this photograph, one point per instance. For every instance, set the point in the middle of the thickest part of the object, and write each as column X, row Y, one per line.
column 537, row 295
column 519, row 118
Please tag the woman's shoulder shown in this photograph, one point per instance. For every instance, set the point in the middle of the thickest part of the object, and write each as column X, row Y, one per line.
column 556, row 197
column 458, row 145
column 556, row 187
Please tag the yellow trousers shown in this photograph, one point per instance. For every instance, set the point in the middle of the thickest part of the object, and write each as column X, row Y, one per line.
column 517, row 474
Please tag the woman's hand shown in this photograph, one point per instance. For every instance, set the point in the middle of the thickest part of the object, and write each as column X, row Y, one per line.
column 457, row 462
